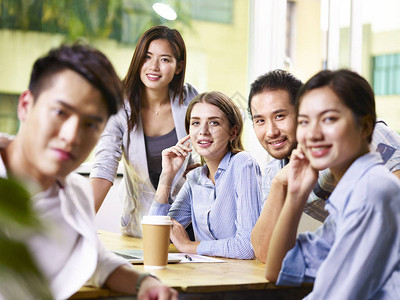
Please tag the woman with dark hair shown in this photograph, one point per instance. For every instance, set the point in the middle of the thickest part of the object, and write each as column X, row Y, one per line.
column 356, row 253
column 221, row 199
column 151, row 120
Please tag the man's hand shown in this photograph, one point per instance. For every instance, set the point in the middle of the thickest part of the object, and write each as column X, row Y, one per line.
column 153, row 289
column 123, row 279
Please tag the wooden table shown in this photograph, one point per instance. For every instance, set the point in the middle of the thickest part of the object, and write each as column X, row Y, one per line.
column 232, row 279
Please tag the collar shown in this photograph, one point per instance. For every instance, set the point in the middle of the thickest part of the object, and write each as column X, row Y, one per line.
column 280, row 162
column 223, row 165
column 339, row 197
column 284, row 161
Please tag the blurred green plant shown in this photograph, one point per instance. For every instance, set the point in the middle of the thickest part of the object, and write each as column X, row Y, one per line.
column 20, row 278
column 121, row 20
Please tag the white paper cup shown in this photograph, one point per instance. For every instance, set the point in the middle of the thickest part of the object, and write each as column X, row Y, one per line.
column 156, row 230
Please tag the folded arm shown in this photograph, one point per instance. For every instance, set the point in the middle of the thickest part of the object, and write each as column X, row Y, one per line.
column 108, row 153
column 100, row 188
column 262, row 231
column 301, row 180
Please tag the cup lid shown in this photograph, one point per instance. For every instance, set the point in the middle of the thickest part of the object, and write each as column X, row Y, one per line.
column 157, row 220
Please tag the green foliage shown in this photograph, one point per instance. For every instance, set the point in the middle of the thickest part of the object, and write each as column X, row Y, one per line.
column 122, row 20
column 15, row 206
column 20, row 277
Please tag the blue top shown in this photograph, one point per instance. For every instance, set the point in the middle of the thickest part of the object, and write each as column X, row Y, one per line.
column 356, row 253
column 223, row 214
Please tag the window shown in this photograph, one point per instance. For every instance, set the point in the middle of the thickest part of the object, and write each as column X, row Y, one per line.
column 8, row 113
column 386, row 74
column 220, row 11
column 290, row 33
column 121, row 20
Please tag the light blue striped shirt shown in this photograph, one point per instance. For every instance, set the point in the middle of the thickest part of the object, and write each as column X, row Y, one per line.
column 356, row 253
column 223, row 214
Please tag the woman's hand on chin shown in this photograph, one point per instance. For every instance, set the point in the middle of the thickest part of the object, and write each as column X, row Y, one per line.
column 302, row 177
column 173, row 157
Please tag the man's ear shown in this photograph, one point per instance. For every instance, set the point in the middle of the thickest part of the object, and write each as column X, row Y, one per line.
column 179, row 67
column 25, row 104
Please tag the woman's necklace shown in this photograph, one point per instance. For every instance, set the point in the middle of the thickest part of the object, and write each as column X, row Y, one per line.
column 156, row 112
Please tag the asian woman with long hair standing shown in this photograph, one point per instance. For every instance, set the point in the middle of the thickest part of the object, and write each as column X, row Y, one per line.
column 152, row 119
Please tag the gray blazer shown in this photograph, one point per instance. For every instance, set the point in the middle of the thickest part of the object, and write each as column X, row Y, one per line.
column 136, row 190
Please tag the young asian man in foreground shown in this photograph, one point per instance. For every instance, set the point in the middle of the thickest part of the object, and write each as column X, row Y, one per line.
column 72, row 92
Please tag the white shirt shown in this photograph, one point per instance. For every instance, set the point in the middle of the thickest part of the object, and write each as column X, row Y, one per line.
column 69, row 253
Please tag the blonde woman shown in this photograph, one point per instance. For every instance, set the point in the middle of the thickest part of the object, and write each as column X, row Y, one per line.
column 221, row 199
